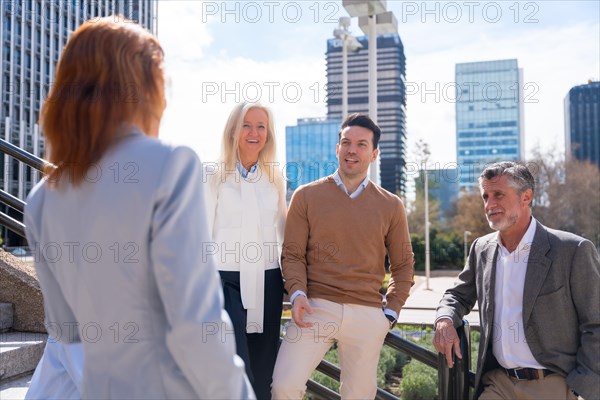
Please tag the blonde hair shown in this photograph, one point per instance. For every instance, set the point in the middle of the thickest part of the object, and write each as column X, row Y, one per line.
column 267, row 158
column 109, row 75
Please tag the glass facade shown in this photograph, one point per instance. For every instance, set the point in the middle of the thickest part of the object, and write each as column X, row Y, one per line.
column 582, row 123
column 443, row 187
column 32, row 36
column 489, row 116
column 391, row 99
column 310, row 151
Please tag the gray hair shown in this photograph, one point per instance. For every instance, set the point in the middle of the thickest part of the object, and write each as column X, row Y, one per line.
column 519, row 175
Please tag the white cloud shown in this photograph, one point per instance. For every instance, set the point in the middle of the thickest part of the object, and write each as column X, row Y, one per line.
column 555, row 54
column 553, row 60
column 181, row 31
column 204, row 94
column 205, row 85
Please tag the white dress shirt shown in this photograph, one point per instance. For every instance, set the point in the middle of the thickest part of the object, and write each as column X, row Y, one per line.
column 509, row 345
column 361, row 188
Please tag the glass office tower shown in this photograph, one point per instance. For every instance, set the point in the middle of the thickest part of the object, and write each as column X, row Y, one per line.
column 391, row 99
column 582, row 123
column 489, row 116
column 32, row 36
column 310, row 151
column 33, row 33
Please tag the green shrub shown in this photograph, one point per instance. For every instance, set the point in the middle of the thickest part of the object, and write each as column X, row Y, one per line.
column 389, row 361
column 418, row 387
column 419, row 382
column 475, row 336
column 332, row 357
column 415, row 366
column 401, row 360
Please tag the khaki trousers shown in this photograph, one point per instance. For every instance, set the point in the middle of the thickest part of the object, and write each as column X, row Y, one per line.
column 359, row 332
column 499, row 386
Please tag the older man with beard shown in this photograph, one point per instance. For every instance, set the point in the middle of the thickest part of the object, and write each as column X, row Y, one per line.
column 538, row 291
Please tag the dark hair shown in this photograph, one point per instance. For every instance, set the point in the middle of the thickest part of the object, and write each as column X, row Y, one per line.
column 519, row 175
column 364, row 121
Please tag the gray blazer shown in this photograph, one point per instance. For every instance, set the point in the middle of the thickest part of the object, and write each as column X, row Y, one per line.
column 122, row 269
column 561, row 305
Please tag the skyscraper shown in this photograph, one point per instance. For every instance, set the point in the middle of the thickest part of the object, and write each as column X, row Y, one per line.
column 391, row 99
column 32, row 35
column 310, row 150
column 582, row 122
column 489, row 116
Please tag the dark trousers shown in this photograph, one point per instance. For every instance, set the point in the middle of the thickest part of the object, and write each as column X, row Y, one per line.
column 258, row 350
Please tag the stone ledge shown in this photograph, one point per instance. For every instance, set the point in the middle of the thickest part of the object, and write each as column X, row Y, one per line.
column 20, row 352
column 6, row 316
column 19, row 286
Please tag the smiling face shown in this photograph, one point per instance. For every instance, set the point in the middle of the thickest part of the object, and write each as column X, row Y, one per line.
column 505, row 209
column 355, row 151
column 253, row 136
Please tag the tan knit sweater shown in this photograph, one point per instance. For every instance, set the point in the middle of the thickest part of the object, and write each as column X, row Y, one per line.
column 335, row 246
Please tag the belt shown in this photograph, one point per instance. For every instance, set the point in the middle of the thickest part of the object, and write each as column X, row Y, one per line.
column 527, row 374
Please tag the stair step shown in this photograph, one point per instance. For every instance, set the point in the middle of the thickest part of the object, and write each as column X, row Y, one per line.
column 6, row 316
column 20, row 352
column 15, row 388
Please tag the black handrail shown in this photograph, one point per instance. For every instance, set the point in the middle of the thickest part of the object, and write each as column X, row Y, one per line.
column 414, row 350
column 322, row 392
column 334, row 372
column 455, row 383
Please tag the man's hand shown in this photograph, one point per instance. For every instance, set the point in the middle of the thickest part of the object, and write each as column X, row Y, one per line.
column 299, row 307
column 446, row 339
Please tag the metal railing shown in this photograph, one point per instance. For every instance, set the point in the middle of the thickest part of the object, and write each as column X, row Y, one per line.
column 8, row 199
column 454, row 383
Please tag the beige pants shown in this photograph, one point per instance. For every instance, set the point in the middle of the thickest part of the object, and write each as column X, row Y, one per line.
column 499, row 386
column 359, row 332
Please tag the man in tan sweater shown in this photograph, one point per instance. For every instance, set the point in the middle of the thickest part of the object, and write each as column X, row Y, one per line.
column 338, row 231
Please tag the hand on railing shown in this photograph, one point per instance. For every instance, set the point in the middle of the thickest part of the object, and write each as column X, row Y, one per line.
column 454, row 375
column 446, row 340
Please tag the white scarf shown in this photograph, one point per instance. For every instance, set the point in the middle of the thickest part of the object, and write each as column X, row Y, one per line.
column 252, row 261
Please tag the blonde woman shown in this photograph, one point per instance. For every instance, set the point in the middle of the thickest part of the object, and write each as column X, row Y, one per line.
column 247, row 212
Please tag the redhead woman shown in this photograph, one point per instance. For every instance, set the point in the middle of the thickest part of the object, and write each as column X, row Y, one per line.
column 115, row 228
column 247, row 212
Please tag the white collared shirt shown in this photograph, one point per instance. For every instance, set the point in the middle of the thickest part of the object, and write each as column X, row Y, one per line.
column 509, row 344
column 361, row 188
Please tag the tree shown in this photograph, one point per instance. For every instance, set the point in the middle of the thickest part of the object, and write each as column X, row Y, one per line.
column 416, row 209
column 467, row 214
column 567, row 195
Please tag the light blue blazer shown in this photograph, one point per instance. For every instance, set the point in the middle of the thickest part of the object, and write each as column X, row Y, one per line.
column 121, row 265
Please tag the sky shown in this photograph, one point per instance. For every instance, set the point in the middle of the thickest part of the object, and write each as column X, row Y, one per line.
column 221, row 52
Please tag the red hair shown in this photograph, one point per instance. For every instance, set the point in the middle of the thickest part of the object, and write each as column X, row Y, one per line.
column 109, row 77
